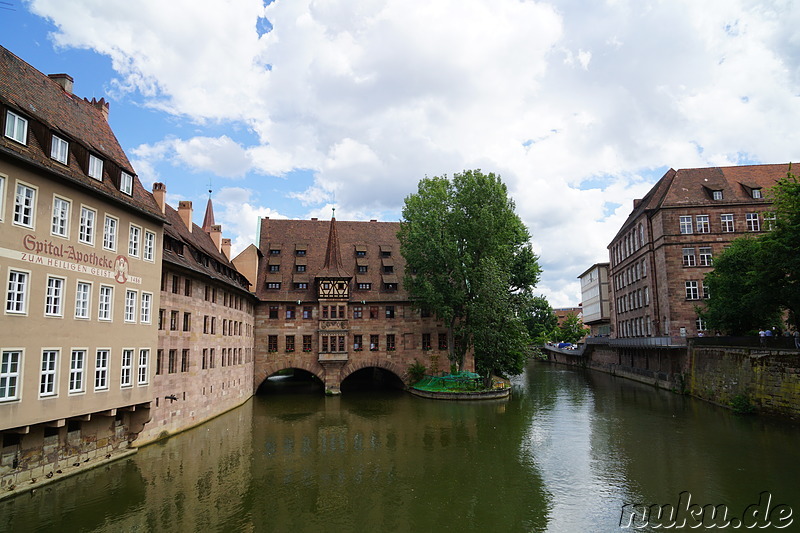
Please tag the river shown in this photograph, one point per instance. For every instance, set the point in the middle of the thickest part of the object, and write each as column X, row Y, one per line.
column 564, row 454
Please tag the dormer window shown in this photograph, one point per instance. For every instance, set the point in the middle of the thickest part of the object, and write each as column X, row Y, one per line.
column 16, row 127
column 274, row 251
column 59, row 150
column 757, row 193
column 716, row 195
column 126, row 183
column 95, row 168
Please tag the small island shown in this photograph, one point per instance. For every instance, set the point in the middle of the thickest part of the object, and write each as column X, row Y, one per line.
column 460, row 386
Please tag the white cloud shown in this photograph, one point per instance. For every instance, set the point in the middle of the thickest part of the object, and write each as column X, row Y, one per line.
column 235, row 210
column 372, row 95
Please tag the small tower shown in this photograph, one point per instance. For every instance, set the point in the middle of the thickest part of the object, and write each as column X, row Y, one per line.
column 333, row 281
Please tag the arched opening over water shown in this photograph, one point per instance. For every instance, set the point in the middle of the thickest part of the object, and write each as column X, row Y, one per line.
column 291, row 381
column 372, row 378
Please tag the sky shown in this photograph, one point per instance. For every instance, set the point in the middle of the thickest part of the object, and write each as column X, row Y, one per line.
column 288, row 108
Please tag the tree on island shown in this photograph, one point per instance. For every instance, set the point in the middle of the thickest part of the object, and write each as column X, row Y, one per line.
column 470, row 262
column 541, row 320
column 756, row 280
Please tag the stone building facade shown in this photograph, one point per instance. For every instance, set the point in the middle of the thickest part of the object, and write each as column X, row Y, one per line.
column 80, row 264
column 664, row 249
column 331, row 302
column 595, row 299
column 204, row 361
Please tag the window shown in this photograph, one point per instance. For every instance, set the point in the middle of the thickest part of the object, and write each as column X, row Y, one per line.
column 274, row 285
column 389, row 311
column 700, row 324
column 686, row 224
column 104, row 305
column 273, row 311
column 159, row 361
column 688, row 257
column 307, row 312
column 16, row 127
column 60, row 225
column 373, row 311
column 364, row 286
column 692, row 291
column 86, row 232
column 290, row 312
column 274, row 251
column 272, row 343
column 388, row 269
column 173, row 321
column 185, row 360
column 374, row 343
column 646, row 296
column 390, row 342
column 187, row 321
column 757, row 193
column 706, row 292
column 306, row 343
column 126, row 183
column 24, row 202
column 752, row 222
column 211, row 362
column 59, row 149
column 442, row 341
column 82, row 298
column 147, row 301
column 176, row 284
column 149, row 245
column 130, row 306
column 9, row 374
column 127, row 363
column 77, row 361
column 727, row 223
column 274, row 268
column 357, row 343
column 716, row 195
column 426, row 341
column 289, row 343
column 362, row 269
column 47, row 378
column 143, row 375
column 95, row 167
column 110, row 233
column 101, row 370
column 390, row 286
column 300, row 285
column 300, row 268
column 204, row 361
column 16, row 297
column 361, row 253
column 134, row 236
column 187, row 287
column 300, row 253
column 769, row 221
column 703, row 225
column 54, row 296
column 358, row 311
column 171, row 362
column 705, row 256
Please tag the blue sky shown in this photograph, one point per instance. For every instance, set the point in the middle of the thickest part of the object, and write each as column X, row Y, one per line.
column 292, row 107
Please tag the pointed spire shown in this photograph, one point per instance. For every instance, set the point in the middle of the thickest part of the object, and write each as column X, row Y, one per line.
column 334, row 267
column 208, row 219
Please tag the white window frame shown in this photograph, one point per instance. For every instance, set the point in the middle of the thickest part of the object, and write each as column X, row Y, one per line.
column 105, row 306
column 16, row 127
column 727, row 221
column 689, row 259
column 717, row 195
column 757, row 194
column 706, row 254
column 54, row 296
column 146, row 309
column 692, row 290
column 143, row 368
column 753, row 222
column 126, row 183
column 134, row 240
column 769, row 220
column 83, row 300
column 126, row 368
column 17, row 294
column 130, row 306
column 95, row 167
column 25, row 205
column 88, row 225
column 110, row 231
column 101, row 362
column 59, row 225
column 10, row 370
column 703, row 223
column 59, row 149
column 2, row 196
column 77, row 370
column 48, row 372
column 148, row 251
column 685, row 224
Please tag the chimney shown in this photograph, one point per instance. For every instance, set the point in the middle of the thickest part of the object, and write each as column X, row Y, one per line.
column 226, row 248
column 216, row 236
column 160, row 195
column 101, row 104
column 65, row 80
column 637, row 202
column 185, row 211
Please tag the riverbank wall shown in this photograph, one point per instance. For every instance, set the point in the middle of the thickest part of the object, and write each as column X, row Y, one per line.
column 730, row 372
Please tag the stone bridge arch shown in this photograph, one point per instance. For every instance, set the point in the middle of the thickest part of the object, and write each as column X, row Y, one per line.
column 267, row 366
column 390, row 366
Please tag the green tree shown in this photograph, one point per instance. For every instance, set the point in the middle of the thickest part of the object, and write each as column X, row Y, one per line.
column 572, row 329
column 470, row 262
column 756, row 280
column 540, row 319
